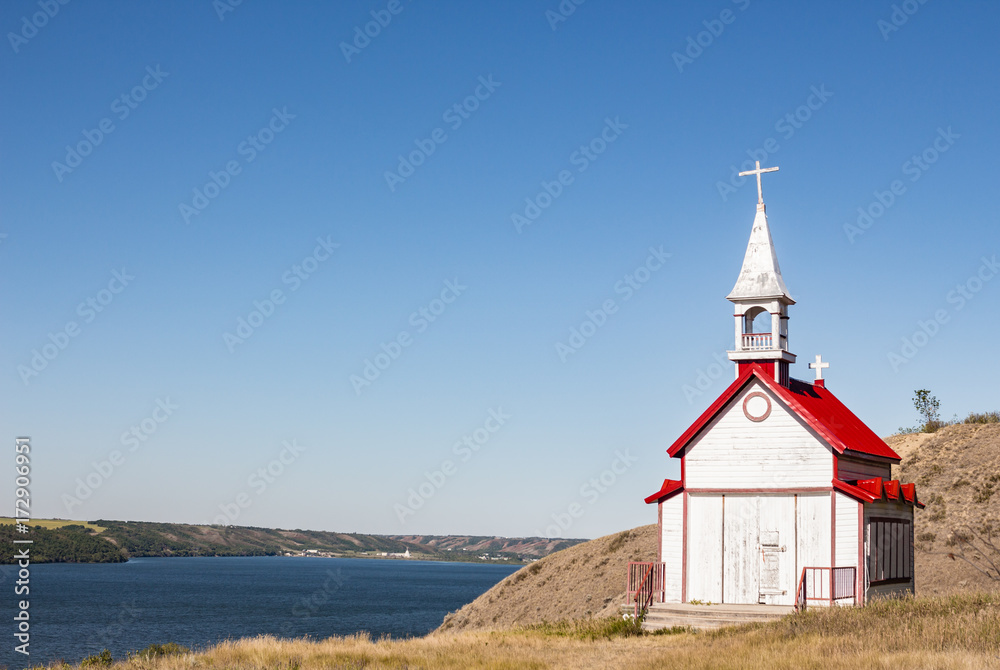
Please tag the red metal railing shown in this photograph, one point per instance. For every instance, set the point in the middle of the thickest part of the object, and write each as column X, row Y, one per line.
column 756, row 341
column 645, row 582
column 826, row 585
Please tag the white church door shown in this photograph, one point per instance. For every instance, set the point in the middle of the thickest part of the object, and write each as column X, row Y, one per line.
column 758, row 549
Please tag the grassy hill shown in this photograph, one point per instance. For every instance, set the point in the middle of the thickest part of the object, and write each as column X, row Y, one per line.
column 110, row 541
column 957, row 473
column 583, row 581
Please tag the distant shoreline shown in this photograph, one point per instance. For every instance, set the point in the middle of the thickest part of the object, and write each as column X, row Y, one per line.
column 104, row 541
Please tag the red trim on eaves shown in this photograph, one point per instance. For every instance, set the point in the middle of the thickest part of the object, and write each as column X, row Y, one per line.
column 670, row 488
column 877, row 490
column 857, row 492
column 872, row 486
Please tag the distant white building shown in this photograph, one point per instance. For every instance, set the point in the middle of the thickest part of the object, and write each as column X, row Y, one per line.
column 784, row 493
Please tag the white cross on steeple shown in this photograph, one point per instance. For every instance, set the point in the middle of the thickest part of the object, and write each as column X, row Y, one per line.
column 759, row 172
column 818, row 367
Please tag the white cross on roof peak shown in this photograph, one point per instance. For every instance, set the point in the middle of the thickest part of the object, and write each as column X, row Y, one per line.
column 818, row 366
column 759, row 171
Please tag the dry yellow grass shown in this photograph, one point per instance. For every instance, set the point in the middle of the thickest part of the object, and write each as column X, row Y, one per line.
column 955, row 632
column 54, row 523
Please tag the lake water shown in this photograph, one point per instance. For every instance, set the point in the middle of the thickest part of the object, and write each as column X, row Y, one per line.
column 77, row 610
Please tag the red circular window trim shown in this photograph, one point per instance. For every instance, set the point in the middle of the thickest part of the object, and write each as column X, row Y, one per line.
column 757, row 394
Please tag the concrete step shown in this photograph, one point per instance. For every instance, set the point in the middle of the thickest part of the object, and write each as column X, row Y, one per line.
column 689, row 622
column 706, row 617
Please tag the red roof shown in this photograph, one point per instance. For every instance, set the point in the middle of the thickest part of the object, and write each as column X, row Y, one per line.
column 875, row 490
column 819, row 408
column 669, row 488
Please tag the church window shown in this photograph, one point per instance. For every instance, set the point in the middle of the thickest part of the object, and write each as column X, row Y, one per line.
column 889, row 543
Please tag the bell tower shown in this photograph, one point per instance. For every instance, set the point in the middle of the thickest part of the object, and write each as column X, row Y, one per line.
column 761, row 300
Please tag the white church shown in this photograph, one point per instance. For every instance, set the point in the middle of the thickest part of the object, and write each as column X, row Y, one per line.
column 785, row 496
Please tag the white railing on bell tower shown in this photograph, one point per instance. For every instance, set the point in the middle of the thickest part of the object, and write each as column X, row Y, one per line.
column 756, row 342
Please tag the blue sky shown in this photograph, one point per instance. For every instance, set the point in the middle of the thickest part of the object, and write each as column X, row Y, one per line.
column 623, row 124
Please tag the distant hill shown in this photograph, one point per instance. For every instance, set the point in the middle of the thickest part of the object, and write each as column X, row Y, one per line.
column 528, row 547
column 109, row 541
column 957, row 473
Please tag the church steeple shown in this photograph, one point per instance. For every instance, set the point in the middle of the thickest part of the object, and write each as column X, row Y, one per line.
column 761, row 290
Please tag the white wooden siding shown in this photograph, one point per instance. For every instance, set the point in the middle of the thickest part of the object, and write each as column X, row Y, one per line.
column 849, row 469
column 704, row 560
column 847, row 531
column 895, row 510
column 734, row 452
column 814, row 534
column 741, row 516
column 671, row 546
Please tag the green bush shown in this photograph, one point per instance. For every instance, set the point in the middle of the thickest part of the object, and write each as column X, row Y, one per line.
column 158, row 650
column 101, row 660
column 983, row 417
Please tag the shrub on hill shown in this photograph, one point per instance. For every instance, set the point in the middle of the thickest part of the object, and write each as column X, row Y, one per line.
column 982, row 417
column 69, row 544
